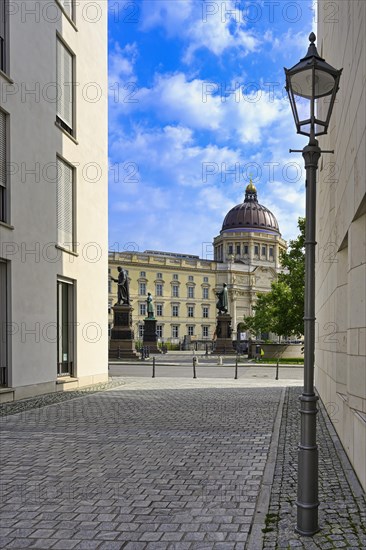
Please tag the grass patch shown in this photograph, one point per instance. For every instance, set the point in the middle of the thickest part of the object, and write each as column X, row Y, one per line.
column 290, row 361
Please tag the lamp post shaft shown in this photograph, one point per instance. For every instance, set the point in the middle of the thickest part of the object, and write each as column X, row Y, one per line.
column 307, row 488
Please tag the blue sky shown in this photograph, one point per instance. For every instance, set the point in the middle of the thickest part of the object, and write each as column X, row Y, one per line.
column 197, row 105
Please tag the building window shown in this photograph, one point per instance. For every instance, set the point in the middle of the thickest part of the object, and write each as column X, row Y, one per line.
column 3, row 325
column 205, row 312
column 4, row 11
column 190, row 277
column 191, row 292
column 175, row 291
column 190, row 311
column 256, row 250
column 205, row 331
column 246, row 249
column 143, row 274
column 271, row 251
column 142, row 289
column 205, row 279
column 190, row 330
column 65, row 205
column 109, row 286
column 159, row 290
column 159, row 331
column 175, row 276
column 159, row 309
column 142, row 309
column 238, row 249
column 264, row 251
column 175, row 331
column 175, row 311
column 65, row 328
column 109, row 330
column 68, row 7
column 230, row 249
column 110, row 303
column 65, row 87
column 141, row 331
column 159, row 275
column 3, row 165
column 205, row 293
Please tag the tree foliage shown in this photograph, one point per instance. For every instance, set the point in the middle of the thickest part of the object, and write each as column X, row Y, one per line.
column 282, row 309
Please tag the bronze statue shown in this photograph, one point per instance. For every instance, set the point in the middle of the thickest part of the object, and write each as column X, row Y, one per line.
column 150, row 307
column 222, row 302
column 123, row 295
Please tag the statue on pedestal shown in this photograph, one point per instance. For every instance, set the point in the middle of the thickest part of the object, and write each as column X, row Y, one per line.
column 222, row 302
column 150, row 307
column 123, row 295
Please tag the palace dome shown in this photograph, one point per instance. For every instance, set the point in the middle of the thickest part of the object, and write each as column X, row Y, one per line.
column 250, row 215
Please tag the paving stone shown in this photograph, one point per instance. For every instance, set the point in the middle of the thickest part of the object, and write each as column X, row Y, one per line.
column 180, row 470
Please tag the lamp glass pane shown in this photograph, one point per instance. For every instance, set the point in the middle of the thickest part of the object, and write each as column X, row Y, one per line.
column 302, row 83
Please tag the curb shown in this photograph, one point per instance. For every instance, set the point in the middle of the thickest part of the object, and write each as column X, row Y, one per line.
column 256, row 535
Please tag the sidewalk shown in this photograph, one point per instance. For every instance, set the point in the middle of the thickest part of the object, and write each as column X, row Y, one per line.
column 175, row 464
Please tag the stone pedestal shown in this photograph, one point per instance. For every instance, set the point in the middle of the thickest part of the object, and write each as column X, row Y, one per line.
column 150, row 338
column 122, row 344
column 224, row 343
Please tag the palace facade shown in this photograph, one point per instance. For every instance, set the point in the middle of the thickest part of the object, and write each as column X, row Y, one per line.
column 246, row 258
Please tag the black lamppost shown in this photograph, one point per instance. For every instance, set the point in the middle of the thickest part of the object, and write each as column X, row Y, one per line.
column 309, row 80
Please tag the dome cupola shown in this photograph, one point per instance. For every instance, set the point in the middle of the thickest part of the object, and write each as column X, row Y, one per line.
column 250, row 215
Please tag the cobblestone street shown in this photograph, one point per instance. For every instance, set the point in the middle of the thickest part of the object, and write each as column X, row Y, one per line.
column 163, row 464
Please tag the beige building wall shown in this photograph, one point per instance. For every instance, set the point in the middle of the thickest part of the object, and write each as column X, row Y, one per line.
column 29, row 235
column 341, row 234
column 183, row 291
column 247, row 274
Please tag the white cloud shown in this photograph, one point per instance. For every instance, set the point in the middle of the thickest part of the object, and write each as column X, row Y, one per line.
column 122, row 61
column 204, row 105
column 216, row 26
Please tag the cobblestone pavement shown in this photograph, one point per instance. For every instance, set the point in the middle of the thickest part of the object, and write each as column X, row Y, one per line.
column 137, row 467
column 167, row 464
column 342, row 511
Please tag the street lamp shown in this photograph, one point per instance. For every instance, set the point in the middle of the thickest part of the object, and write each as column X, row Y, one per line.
column 308, row 81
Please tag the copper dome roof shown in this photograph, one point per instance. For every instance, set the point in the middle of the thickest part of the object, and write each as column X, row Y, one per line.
column 250, row 214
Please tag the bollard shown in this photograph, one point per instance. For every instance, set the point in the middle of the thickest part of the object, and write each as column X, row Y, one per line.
column 119, row 352
column 236, row 368
column 153, row 372
column 206, row 350
column 219, row 360
column 194, row 367
column 277, row 369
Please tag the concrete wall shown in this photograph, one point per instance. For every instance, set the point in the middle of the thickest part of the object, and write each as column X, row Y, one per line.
column 341, row 233
column 28, row 242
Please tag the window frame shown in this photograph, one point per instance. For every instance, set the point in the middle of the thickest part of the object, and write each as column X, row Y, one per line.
column 70, row 131
column 5, row 187
column 62, row 160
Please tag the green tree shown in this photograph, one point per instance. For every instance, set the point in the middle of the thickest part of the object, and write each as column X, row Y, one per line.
column 282, row 309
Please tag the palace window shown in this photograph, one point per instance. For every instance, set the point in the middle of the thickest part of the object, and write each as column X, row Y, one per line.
column 190, row 311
